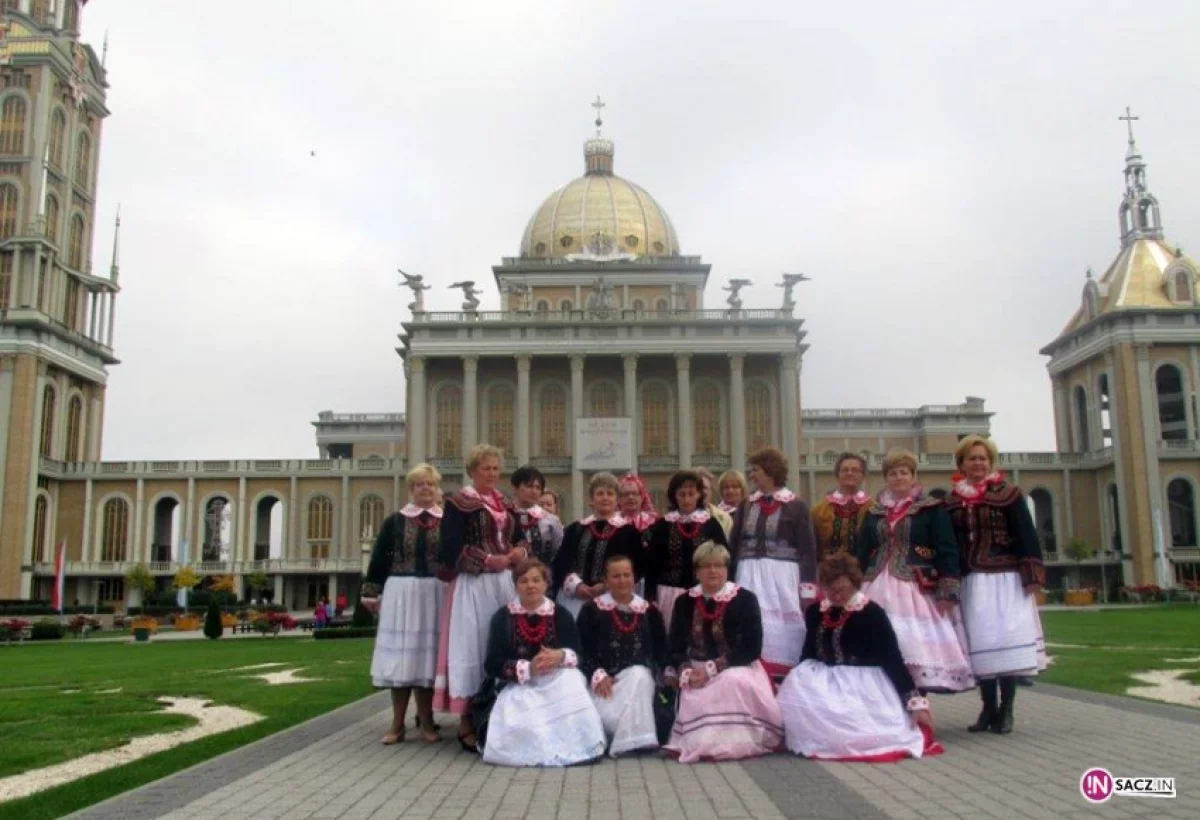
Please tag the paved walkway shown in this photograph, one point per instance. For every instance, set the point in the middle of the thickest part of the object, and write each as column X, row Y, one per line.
column 334, row 767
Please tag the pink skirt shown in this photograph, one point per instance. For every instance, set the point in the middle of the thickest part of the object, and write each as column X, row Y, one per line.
column 734, row 717
column 665, row 599
column 933, row 645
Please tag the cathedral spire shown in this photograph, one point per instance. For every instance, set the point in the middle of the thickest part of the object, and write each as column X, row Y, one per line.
column 1139, row 215
column 598, row 151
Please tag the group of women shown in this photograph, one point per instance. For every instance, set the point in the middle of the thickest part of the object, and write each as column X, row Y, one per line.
column 719, row 630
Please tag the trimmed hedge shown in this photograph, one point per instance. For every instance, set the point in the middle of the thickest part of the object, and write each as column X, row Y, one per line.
column 336, row 632
column 47, row 630
column 13, row 608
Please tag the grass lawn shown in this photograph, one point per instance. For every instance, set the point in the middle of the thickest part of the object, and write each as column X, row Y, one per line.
column 41, row 725
column 1119, row 642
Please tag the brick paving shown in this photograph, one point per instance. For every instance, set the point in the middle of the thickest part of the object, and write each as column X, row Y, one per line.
column 334, row 767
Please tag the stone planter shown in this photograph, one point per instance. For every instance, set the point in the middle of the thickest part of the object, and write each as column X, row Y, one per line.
column 187, row 623
column 1079, row 597
column 141, row 634
column 228, row 621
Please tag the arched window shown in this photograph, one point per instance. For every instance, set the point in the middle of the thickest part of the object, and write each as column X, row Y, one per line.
column 40, row 11
column 47, row 437
column 74, row 429
column 83, row 161
column 370, row 517
column 114, row 532
column 6, row 272
column 565, row 305
column 501, row 401
column 12, row 125
column 52, row 218
column 661, row 306
column 218, row 522
column 41, row 510
column 320, row 526
column 449, row 421
column 543, row 306
column 639, row 306
column 1114, row 510
column 656, row 420
column 553, row 423
column 706, row 418
column 1041, row 507
column 71, row 15
column 71, row 304
column 8, row 210
column 75, row 244
column 1082, row 441
column 58, row 131
column 758, row 416
column 1181, row 499
column 1172, row 410
column 604, row 400
column 1183, row 291
column 1106, row 438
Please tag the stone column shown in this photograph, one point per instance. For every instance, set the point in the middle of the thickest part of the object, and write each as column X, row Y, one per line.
column 631, row 402
column 85, row 550
column 788, row 412
column 346, row 520
column 524, row 365
column 291, row 541
column 1116, row 420
column 683, row 399
column 470, row 403
column 243, row 550
column 417, row 403
column 737, row 408
column 1062, row 416
column 139, row 517
column 333, row 589
column 189, row 516
column 576, row 414
column 1150, row 439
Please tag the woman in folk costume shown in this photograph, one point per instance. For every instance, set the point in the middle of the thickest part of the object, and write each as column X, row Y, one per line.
column 776, row 558
column 579, row 566
column 403, row 586
column 727, row 709
column 732, row 488
column 673, row 539
column 852, row 698
column 536, row 526
column 534, row 709
column 477, row 543
column 708, row 482
column 635, row 504
column 908, row 550
column 1002, row 570
column 838, row 516
column 624, row 649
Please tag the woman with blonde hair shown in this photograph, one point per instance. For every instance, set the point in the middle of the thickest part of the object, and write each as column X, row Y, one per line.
column 732, row 490
column 477, row 543
column 727, row 709
column 1002, row 569
column 908, row 550
column 402, row 585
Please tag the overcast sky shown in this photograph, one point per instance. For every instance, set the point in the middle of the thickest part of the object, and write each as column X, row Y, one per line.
column 945, row 173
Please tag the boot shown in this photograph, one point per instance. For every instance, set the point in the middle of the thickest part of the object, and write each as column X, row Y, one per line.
column 1002, row 724
column 987, row 691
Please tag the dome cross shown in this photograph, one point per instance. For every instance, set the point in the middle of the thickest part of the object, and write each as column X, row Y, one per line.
column 1128, row 119
column 599, row 105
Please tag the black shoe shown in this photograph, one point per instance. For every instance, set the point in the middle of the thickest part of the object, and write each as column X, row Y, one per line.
column 1002, row 723
column 986, row 716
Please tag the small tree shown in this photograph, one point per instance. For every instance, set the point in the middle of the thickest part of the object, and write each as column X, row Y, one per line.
column 139, row 578
column 257, row 582
column 1079, row 551
column 213, row 628
column 224, row 587
column 185, row 579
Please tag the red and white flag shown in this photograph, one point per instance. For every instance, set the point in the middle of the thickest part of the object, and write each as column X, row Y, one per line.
column 60, row 576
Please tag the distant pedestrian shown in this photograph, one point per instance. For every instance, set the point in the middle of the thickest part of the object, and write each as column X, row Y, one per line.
column 319, row 614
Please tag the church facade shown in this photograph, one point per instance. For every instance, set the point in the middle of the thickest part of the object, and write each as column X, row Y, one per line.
column 604, row 354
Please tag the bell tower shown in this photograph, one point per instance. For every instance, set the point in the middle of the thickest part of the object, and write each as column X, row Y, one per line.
column 56, row 310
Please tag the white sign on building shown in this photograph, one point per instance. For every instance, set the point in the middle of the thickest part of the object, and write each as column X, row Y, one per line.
column 603, row 444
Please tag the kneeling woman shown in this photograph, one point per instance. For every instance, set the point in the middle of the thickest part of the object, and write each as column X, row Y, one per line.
column 534, row 708
column 624, row 647
column 727, row 709
column 852, row 698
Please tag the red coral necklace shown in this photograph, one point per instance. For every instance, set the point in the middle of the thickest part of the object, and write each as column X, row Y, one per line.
column 604, row 534
column 830, row 622
column 717, row 614
column 688, row 529
column 530, row 634
column 621, row 626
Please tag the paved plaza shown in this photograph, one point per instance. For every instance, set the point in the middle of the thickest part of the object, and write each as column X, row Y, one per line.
column 334, row 767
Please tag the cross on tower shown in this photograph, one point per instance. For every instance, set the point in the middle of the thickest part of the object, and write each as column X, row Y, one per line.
column 1129, row 120
column 598, row 105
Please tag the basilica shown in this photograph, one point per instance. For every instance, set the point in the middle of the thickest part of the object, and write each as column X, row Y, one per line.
column 603, row 356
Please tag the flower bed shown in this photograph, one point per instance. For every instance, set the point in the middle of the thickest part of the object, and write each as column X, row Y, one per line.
column 14, row 630
column 81, row 625
column 272, row 623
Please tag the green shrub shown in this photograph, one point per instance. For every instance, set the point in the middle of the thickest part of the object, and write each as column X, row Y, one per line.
column 335, row 632
column 212, row 620
column 47, row 629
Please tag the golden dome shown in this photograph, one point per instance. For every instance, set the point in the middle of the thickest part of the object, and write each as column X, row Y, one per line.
column 599, row 216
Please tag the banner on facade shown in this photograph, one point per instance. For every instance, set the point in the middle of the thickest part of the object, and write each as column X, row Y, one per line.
column 603, row 444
